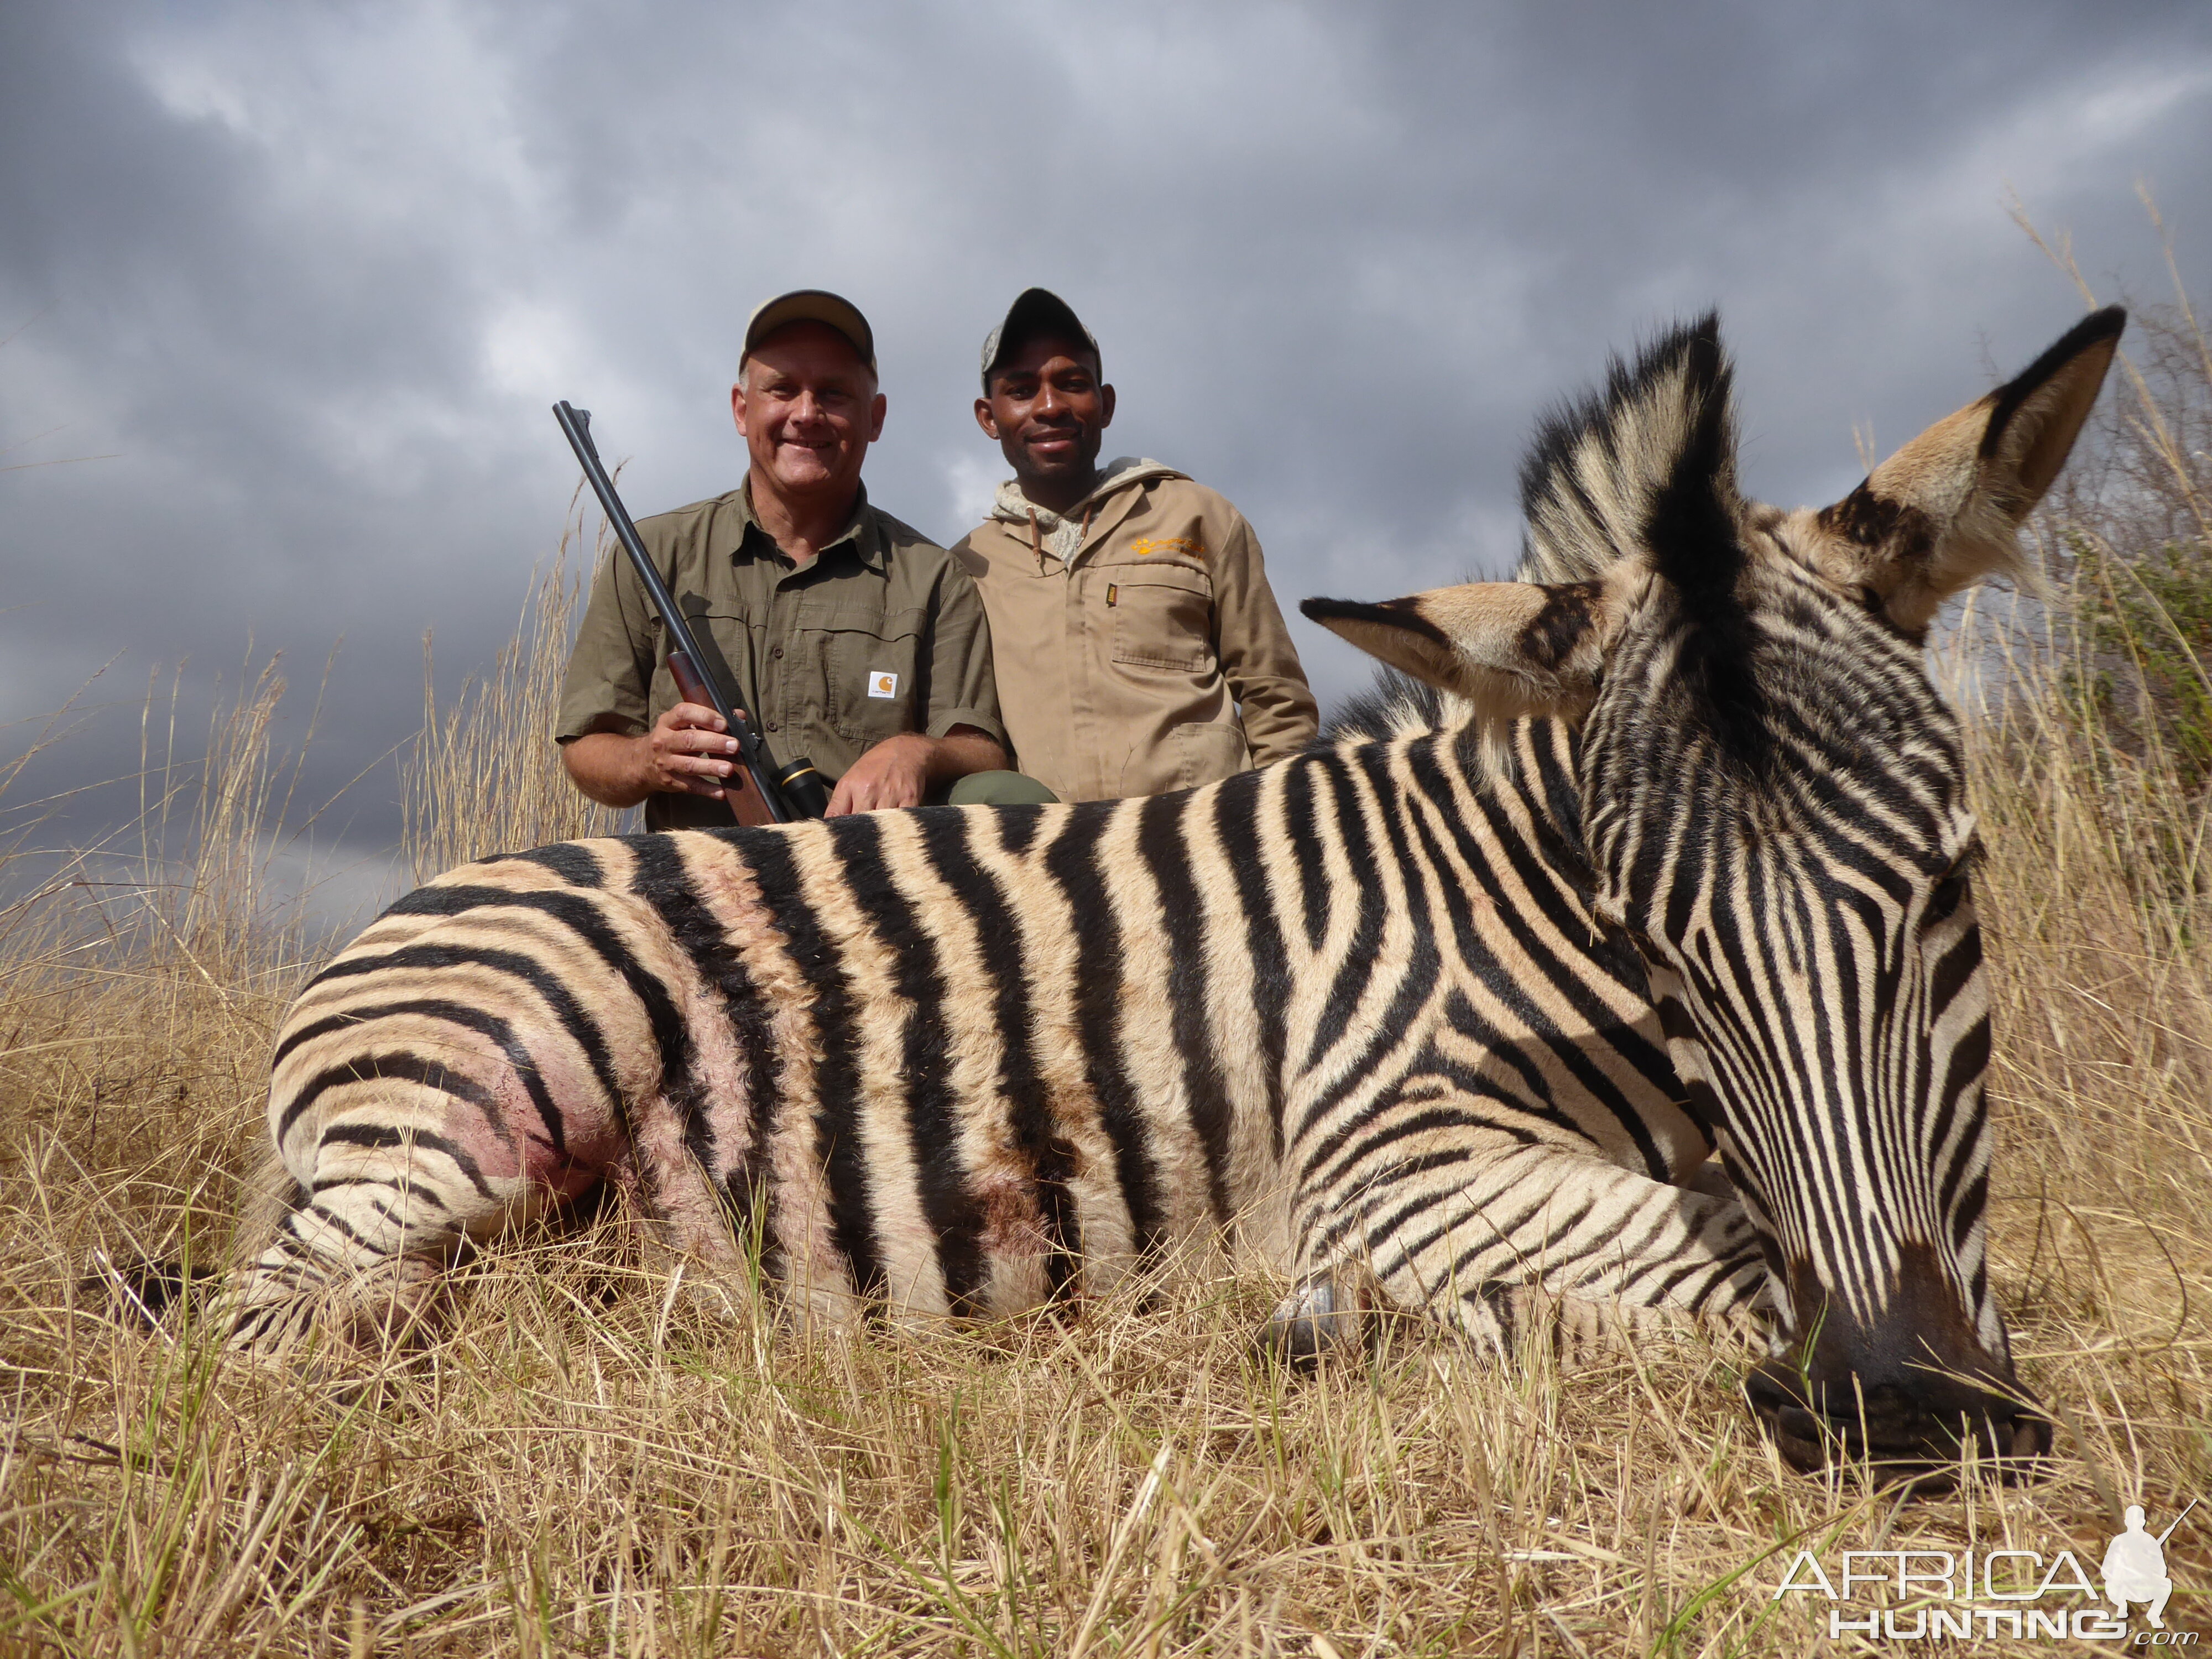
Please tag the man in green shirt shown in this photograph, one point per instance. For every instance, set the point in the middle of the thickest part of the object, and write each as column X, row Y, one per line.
column 849, row 638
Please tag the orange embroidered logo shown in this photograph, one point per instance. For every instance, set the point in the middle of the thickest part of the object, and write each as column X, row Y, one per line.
column 1152, row 544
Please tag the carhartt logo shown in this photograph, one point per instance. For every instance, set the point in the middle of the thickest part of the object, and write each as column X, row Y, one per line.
column 2016, row 1595
column 881, row 684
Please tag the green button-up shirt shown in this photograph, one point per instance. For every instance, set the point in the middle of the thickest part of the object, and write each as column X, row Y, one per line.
column 882, row 632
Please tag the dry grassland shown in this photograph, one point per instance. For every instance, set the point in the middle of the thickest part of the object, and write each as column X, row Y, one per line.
column 587, row 1462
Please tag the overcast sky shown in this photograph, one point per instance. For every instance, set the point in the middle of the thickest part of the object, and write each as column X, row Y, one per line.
column 306, row 279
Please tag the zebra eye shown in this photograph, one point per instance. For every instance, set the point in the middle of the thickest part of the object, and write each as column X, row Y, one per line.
column 1950, row 891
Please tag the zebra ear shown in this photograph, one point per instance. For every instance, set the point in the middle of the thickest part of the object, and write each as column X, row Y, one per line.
column 1510, row 649
column 1944, row 512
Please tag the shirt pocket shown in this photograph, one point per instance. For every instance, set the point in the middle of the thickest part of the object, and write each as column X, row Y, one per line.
column 871, row 671
column 1163, row 617
column 727, row 638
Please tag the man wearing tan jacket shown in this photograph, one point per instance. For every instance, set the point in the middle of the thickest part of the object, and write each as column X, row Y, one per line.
column 1138, row 646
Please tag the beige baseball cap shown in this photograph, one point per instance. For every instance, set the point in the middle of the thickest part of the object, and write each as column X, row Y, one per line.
column 812, row 304
column 1034, row 311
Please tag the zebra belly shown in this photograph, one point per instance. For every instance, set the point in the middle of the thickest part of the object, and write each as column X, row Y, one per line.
column 949, row 1108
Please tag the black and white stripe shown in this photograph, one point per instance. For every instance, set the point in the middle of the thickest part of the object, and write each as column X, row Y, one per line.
column 973, row 1059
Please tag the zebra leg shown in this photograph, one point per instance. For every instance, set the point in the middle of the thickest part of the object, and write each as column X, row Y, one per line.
column 360, row 1269
column 371, row 1221
column 386, row 1191
column 1541, row 1240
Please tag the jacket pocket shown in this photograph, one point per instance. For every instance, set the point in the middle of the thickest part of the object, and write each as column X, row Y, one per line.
column 1163, row 618
column 1199, row 751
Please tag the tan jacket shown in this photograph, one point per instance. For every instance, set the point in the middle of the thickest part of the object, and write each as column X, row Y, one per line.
column 1127, row 635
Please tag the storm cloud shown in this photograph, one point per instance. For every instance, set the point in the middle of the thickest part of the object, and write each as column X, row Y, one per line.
column 305, row 281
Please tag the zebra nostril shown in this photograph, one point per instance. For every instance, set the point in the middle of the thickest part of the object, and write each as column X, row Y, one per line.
column 2031, row 1437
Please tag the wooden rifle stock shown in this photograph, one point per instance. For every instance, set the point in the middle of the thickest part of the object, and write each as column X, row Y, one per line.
column 739, row 790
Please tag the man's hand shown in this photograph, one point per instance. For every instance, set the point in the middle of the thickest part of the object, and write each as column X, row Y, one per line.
column 899, row 771
column 685, row 753
column 895, row 773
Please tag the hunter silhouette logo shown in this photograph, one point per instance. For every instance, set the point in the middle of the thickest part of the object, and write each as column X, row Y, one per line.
column 2134, row 1567
column 882, row 683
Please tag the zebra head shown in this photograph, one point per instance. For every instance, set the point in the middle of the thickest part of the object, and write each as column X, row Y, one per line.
column 1773, row 798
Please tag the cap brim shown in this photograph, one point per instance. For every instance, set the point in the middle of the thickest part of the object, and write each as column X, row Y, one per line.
column 814, row 304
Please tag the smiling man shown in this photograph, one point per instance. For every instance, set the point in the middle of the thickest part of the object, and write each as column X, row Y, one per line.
column 849, row 638
column 1139, row 647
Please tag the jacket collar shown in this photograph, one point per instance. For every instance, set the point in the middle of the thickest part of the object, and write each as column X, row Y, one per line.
column 1064, row 535
column 1011, row 505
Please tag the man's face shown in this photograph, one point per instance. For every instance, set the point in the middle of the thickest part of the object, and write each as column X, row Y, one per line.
column 1048, row 410
column 808, row 408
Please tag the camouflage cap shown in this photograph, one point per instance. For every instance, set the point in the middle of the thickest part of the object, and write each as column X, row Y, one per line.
column 1034, row 311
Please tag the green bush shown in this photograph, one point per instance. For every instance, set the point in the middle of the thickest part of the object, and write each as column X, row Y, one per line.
column 2146, row 620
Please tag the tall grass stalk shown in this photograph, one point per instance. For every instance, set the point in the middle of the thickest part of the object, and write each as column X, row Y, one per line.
column 483, row 779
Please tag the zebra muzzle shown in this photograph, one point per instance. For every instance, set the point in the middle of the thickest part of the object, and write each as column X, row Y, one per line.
column 1924, row 1430
column 1912, row 1391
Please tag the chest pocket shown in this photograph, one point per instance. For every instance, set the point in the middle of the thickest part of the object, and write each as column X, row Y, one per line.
column 871, row 671
column 1163, row 617
column 728, row 639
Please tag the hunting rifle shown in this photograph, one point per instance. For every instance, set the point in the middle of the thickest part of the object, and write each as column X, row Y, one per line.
column 758, row 792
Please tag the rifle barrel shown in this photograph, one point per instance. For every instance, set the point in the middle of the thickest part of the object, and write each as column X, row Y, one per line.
column 576, row 427
column 2178, row 1519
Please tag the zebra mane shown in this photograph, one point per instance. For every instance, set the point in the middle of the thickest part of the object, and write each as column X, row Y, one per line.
column 1393, row 705
column 1600, row 465
column 1646, row 465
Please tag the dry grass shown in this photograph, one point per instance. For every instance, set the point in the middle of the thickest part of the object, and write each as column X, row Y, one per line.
column 589, row 1462
column 482, row 781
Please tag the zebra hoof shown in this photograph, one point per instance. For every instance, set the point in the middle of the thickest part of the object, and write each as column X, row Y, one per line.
column 1322, row 1319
